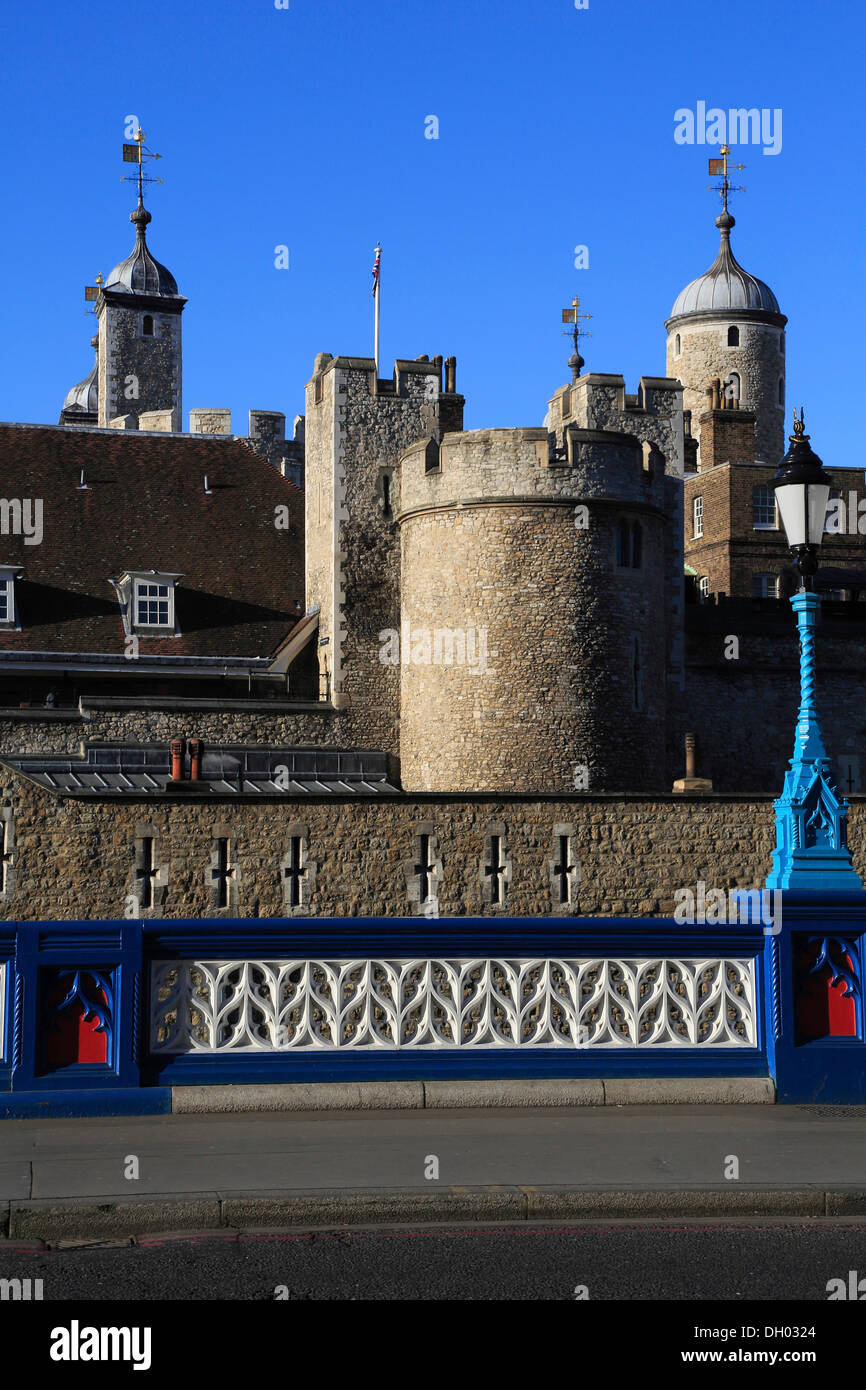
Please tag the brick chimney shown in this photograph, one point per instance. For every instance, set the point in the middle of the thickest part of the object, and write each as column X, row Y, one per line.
column 727, row 436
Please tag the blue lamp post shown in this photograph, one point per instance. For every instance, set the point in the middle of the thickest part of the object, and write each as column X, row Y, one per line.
column 811, row 851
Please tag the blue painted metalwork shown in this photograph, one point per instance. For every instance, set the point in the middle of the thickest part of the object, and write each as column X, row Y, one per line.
column 829, row 1069
column 838, row 969
column 110, row 952
column 811, row 851
column 93, row 1007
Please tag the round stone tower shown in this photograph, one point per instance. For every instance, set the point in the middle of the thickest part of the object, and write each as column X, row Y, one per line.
column 728, row 324
column 532, row 613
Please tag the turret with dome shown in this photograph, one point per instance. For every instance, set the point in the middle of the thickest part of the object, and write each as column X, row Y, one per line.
column 139, row 354
column 727, row 324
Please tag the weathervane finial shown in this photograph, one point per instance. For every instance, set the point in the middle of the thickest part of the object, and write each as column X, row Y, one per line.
column 574, row 317
column 720, row 167
column 137, row 154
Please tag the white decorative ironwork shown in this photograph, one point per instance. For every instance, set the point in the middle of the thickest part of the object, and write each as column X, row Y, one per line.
column 259, row 1005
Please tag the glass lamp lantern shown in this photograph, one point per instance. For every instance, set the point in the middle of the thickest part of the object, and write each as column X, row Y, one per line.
column 802, row 490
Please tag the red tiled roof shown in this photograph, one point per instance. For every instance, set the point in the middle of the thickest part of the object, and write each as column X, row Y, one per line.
column 146, row 509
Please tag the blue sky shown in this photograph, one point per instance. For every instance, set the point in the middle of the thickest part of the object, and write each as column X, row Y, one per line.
column 306, row 127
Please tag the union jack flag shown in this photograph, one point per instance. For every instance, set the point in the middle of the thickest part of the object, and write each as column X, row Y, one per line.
column 376, row 271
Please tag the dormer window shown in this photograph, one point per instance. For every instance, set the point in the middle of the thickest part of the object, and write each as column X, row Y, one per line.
column 153, row 603
column 147, row 602
column 8, row 603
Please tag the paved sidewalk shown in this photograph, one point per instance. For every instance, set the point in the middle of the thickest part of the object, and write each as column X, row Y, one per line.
column 67, row 1178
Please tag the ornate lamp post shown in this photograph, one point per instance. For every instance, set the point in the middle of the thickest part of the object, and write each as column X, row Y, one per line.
column 811, row 851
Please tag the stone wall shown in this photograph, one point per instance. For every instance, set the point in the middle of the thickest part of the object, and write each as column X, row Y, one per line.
column 356, row 428
column 550, row 661
column 154, row 720
column 628, row 856
column 759, row 361
column 154, row 362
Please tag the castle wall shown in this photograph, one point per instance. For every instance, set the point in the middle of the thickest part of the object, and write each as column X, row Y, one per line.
column 356, row 428
column 496, row 553
column 76, row 858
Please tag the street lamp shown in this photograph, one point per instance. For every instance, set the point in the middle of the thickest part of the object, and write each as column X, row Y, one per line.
column 811, row 816
column 802, row 493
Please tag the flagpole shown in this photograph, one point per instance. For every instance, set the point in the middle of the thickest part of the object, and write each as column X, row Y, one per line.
column 376, row 290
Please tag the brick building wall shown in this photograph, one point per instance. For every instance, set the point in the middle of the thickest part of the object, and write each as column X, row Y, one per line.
column 732, row 550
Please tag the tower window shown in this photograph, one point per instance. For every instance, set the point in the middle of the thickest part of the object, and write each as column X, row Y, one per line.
column 781, row 390
column 637, row 675
column 147, row 326
column 678, row 345
column 765, row 586
column 781, row 345
column 732, row 388
column 636, row 545
column 622, row 546
column 764, row 508
column 386, row 493
column 697, row 518
column 733, row 336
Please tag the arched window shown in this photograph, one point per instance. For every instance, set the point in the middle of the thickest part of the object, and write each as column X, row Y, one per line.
column 147, row 326
column 781, row 390
column 733, row 336
column 678, row 345
column 636, row 545
column 781, row 345
column 732, row 388
column 622, row 545
column 764, row 508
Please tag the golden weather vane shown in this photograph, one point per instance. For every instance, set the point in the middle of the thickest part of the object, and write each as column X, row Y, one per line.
column 720, row 166
column 91, row 292
column 137, row 154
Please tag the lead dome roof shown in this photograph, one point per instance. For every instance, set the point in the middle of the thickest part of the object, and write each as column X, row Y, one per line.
column 726, row 286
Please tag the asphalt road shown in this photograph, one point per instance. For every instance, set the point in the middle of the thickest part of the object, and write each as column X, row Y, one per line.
column 652, row 1146
column 688, row 1260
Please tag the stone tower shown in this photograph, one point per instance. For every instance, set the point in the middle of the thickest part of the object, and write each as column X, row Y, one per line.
column 535, row 599
column 139, row 311
column 81, row 406
column 727, row 325
column 356, row 428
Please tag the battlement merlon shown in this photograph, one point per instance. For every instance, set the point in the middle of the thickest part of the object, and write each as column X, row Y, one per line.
column 405, row 370
column 598, row 400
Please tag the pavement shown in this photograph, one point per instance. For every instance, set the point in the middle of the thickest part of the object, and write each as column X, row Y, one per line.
column 120, row 1177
